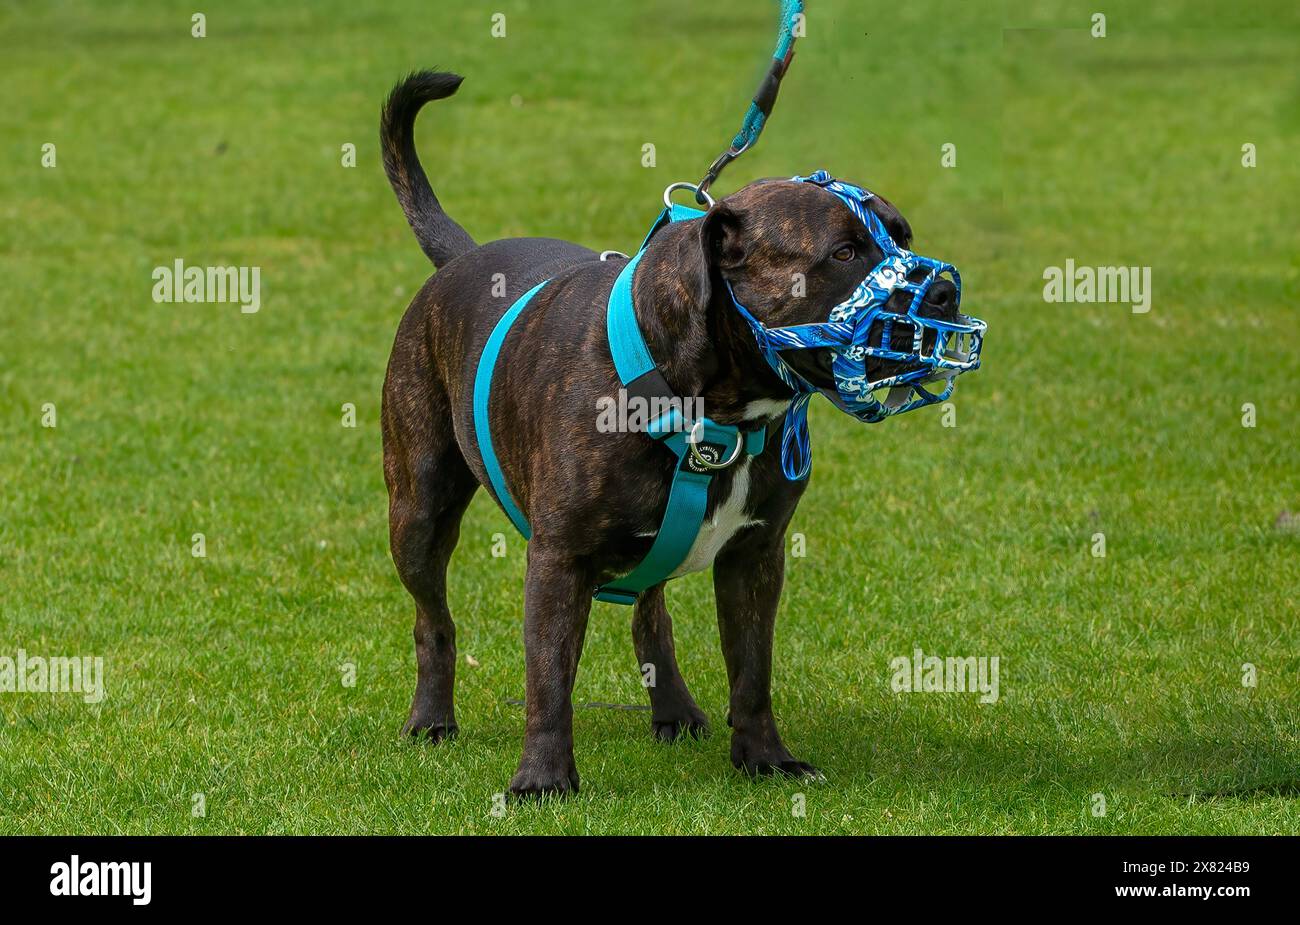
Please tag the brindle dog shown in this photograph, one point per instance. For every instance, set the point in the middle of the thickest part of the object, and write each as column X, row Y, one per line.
column 595, row 499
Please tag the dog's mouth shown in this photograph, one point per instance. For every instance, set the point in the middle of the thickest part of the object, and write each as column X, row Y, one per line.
column 813, row 365
column 940, row 303
column 816, row 366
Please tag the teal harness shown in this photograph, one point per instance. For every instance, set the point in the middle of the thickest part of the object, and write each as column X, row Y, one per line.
column 702, row 447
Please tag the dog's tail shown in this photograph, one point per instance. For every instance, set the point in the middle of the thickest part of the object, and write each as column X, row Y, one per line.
column 439, row 236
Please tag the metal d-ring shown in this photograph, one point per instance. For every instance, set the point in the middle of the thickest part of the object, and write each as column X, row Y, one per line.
column 693, row 439
column 668, row 194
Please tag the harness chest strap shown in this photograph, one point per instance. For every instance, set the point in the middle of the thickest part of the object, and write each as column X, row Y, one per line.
column 640, row 377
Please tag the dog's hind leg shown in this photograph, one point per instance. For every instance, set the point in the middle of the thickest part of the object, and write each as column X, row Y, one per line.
column 673, row 711
column 429, row 487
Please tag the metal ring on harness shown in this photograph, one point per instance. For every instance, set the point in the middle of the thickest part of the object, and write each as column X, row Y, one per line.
column 693, row 440
column 668, row 193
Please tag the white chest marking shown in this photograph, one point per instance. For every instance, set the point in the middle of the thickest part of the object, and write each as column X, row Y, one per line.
column 767, row 408
column 727, row 519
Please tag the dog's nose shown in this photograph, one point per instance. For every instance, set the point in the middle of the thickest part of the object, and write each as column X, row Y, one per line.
column 940, row 301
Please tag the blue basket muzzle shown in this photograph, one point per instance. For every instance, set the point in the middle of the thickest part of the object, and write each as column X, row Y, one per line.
column 859, row 329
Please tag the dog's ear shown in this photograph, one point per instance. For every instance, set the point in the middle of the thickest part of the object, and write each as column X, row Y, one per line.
column 892, row 219
column 701, row 249
column 721, row 238
column 718, row 247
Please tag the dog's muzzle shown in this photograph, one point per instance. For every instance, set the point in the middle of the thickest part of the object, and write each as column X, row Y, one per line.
column 923, row 354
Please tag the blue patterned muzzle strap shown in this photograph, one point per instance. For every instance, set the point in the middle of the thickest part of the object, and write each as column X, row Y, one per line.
column 927, row 353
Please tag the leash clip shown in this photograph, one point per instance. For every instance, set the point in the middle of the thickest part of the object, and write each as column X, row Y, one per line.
column 722, row 160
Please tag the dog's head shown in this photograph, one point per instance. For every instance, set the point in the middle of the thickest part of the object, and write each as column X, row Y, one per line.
column 791, row 251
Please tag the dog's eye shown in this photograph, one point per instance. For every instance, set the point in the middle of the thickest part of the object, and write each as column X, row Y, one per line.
column 847, row 252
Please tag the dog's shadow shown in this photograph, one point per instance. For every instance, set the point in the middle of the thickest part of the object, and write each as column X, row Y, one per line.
column 911, row 752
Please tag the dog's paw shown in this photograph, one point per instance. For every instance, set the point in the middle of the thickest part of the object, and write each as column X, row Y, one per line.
column 535, row 779
column 786, row 768
column 429, row 731
column 767, row 760
column 693, row 723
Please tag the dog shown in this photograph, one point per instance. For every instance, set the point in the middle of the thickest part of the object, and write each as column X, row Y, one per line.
column 595, row 499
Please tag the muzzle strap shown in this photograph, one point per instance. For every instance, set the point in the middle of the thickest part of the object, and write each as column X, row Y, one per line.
column 796, row 442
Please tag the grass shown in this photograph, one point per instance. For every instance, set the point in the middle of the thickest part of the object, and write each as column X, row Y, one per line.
column 1119, row 675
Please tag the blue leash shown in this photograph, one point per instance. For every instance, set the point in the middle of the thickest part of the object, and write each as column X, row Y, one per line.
column 702, row 447
column 760, row 108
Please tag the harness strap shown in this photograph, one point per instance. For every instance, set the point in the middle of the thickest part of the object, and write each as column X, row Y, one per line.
column 687, row 500
column 715, row 445
column 483, row 425
column 632, row 358
column 675, row 212
column 689, row 494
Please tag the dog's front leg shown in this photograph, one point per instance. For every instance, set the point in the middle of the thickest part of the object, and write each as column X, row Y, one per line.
column 557, row 600
column 673, row 711
column 747, row 581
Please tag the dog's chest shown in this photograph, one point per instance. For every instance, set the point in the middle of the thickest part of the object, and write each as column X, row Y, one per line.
column 728, row 518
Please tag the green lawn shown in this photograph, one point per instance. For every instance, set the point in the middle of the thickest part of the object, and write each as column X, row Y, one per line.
column 1119, row 675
